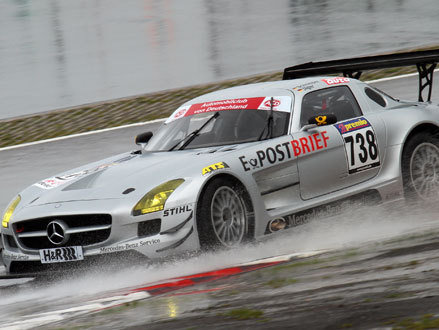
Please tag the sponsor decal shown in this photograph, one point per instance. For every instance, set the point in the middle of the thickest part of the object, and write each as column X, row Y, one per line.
column 352, row 125
column 14, row 256
column 280, row 103
column 270, row 155
column 56, row 181
column 305, row 87
column 276, row 103
column 177, row 210
column 360, row 144
column 286, row 150
column 331, row 209
column 336, row 81
column 310, row 143
column 214, row 167
column 61, row 254
column 320, row 120
column 51, row 183
column 149, row 242
column 304, row 217
column 129, row 246
column 181, row 112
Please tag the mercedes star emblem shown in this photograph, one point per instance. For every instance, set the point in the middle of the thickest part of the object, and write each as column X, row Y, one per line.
column 57, row 232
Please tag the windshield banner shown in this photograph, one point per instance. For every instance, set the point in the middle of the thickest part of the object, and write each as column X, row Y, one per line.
column 280, row 103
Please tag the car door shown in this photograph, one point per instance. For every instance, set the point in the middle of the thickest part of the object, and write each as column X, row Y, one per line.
column 336, row 156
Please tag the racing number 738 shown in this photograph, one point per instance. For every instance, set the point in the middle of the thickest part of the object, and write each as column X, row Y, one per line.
column 361, row 150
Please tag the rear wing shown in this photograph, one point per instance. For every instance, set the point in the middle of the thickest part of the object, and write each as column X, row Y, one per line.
column 425, row 62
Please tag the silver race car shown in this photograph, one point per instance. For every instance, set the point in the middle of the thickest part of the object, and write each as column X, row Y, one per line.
column 236, row 165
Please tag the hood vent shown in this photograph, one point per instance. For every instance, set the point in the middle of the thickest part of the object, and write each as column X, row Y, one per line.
column 84, row 183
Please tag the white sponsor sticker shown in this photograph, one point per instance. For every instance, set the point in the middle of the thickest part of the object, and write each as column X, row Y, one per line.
column 61, row 254
column 56, row 181
column 336, row 81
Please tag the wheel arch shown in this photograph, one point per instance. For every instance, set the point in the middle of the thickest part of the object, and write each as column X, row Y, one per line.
column 423, row 132
column 247, row 198
column 423, row 127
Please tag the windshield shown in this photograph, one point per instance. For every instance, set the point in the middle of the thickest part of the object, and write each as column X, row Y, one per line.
column 227, row 127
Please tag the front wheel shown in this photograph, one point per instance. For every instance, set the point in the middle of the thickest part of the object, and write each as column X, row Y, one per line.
column 420, row 167
column 222, row 216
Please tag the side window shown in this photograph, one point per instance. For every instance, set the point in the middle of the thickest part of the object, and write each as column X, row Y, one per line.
column 336, row 100
column 374, row 96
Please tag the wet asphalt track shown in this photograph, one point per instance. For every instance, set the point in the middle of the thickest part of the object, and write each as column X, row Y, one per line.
column 372, row 281
column 373, row 285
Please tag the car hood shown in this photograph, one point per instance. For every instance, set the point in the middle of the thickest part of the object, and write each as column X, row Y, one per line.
column 112, row 178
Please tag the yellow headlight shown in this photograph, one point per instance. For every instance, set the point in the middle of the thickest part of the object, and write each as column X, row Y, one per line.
column 155, row 199
column 8, row 213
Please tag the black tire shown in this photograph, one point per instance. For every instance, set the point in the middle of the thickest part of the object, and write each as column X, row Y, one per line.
column 420, row 168
column 222, row 215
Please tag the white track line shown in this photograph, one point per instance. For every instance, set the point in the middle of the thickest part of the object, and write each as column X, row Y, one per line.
column 42, row 319
column 160, row 120
column 285, row 257
column 408, row 75
column 81, row 134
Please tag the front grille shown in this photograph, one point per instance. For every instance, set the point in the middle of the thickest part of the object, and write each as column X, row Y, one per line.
column 84, row 229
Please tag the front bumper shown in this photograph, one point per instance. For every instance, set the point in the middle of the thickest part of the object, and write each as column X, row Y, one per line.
column 176, row 235
column 154, row 247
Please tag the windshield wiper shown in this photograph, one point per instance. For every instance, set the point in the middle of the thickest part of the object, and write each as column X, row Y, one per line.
column 269, row 125
column 191, row 136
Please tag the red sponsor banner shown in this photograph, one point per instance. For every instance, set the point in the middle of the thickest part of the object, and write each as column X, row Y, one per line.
column 280, row 103
column 336, row 81
column 233, row 104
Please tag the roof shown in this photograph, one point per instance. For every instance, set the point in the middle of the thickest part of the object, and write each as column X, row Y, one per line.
column 271, row 88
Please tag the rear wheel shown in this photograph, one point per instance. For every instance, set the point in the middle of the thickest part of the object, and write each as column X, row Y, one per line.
column 420, row 167
column 222, row 216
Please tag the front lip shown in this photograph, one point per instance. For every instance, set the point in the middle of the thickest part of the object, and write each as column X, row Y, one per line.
column 150, row 246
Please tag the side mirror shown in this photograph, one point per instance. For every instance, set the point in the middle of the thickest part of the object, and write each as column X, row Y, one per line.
column 143, row 138
column 323, row 119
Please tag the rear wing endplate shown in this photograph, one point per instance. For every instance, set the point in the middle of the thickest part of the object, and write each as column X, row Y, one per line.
column 425, row 62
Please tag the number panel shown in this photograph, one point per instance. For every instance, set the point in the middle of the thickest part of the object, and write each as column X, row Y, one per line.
column 360, row 144
column 362, row 154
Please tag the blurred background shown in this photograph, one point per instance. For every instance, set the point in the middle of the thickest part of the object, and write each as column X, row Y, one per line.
column 60, row 53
